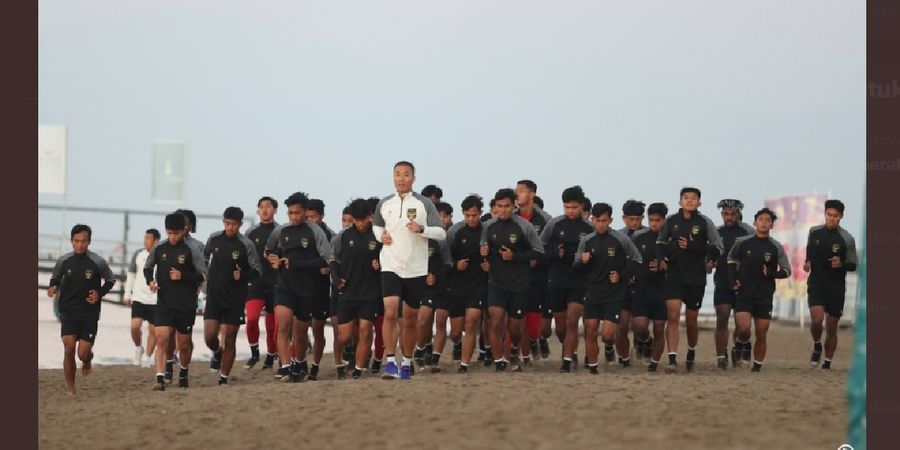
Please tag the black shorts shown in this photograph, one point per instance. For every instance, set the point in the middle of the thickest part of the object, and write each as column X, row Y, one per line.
column 180, row 319
column 561, row 297
column 300, row 305
column 321, row 308
column 83, row 330
column 352, row 310
column 690, row 294
column 651, row 310
column 410, row 290
column 223, row 314
column 603, row 309
column 833, row 302
column 268, row 295
column 723, row 296
column 458, row 304
column 628, row 299
column 514, row 303
column 760, row 308
column 537, row 297
column 334, row 303
column 142, row 311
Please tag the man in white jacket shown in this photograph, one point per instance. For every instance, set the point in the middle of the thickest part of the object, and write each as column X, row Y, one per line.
column 404, row 222
column 142, row 301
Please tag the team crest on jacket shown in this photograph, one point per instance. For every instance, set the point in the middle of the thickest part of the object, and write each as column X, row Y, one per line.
column 88, row 274
column 181, row 259
column 304, row 242
column 513, row 238
column 235, row 254
column 767, row 256
column 611, row 251
column 216, row 250
column 411, row 213
column 350, row 243
column 835, row 248
column 373, row 245
column 163, row 257
column 695, row 229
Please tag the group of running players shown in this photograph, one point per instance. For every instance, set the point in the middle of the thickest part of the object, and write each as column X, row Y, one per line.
column 399, row 270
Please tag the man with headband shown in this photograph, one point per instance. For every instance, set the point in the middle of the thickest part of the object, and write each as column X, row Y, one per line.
column 723, row 299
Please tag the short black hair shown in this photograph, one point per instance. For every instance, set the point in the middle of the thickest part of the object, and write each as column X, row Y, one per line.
column 175, row 221
column 493, row 202
column 835, row 204
column 531, row 185
column 472, row 201
column 573, row 194
column 191, row 217
column 80, row 228
column 633, row 208
column 316, row 205
column 687, row 189
column 658, row 208
column 432, row 190
column 586, row 204
column 233, row 213
column 539, row 201
column 346, row 210
column 766, row 211
column 407, row 164
column 373, row 203
column 600, row 209
column 297, row 198
column 359, row 209
column 505, row 193
column 267, row 199
column 154, row 232
column 444, row 207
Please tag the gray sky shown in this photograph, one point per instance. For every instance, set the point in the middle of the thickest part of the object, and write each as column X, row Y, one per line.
column 629, row 99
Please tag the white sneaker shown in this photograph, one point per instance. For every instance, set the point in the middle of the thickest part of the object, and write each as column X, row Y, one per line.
column 138, row 355
column 148, row 361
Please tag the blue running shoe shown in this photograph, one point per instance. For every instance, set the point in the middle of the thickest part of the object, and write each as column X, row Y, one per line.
column 405, row 373
column 390, row 371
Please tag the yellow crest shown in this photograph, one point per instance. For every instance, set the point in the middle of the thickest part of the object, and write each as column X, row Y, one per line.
column 835, row 248
column 88, row 274
column 611, row 251
column 411, row 213
column 182, row 259
column 430, row 252
column 767, row 256
column 695, row 229
column 304, row 242
column 373, row 245
column 513, row 238
column 235, row 254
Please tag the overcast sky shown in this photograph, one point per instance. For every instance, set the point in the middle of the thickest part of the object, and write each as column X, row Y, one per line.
column 629, row 99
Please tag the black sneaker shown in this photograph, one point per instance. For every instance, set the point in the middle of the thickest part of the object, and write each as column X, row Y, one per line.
column 168, row 377
column 345, row 354
column 481, row 355
column 500, row 366
column 183, row 382
column 673, row 364
column 689, row 361
column 251, row 362
column 215, row 363
column 223, row 381
column 816, row 356
column 419, row 357
column 341, row 372
column 624, row 362
column 756, row 367
column 722, row 362
column 314, row 373
column 594, row 370
column 269, row 362
column 826, row 365
column 429, row 349
column 301, row 372
column 283, row 374
column 566, row 367
column 429, row 360
column 435, row 363
column 462, row 369
column 609, row 353
column 533, row 346
column 160, row 383
column 653, row 367
column 487, row 361
column 545, row 348
column 457, row 351
column 515, row 363
column 356, row 374
column 746, row 354
column 376, row 366
column 575, row 360
column 638, row 348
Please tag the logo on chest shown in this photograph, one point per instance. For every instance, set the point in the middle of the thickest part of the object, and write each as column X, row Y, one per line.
column 611, row 251
column 411, row 213
column 430, row 252
column 695, row 229
column 181, row 259
column 373, row 245
column 537, row 229
column 513, row 238
column 350, row 243
column 835, row 248
column 304, row 242
column 235, row 254
column 767, row 256
column 163, row 257
column 88, row 274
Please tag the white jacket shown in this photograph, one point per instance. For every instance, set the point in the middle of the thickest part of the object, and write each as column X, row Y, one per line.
column 135, row 285
column 407, row 256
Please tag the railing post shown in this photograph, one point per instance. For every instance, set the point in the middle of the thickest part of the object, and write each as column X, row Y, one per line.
column 125, row 251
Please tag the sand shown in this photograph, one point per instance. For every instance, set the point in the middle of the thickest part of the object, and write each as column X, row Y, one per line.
column 787, row 406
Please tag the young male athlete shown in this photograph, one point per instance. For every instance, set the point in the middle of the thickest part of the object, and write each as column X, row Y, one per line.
column 648, row 304
column 633, row 217
column 315, row 213
column 830, row 254
column 732, row 228
column 261, row 291
column 538, row 293
column 142, row 301
column 754, row 262
column 76, row 278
